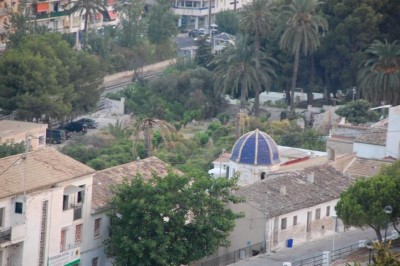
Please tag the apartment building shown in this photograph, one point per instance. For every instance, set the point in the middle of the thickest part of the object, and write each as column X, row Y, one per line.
column 194, row 14
column 45, row 200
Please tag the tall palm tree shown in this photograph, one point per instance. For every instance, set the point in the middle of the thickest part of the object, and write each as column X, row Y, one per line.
column 379, row 77
column 148, row 127
column 256, row 20
column 236, row 69
column 88, row 7
column 299, row 26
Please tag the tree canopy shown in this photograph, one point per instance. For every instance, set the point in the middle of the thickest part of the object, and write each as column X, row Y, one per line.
column 169, row 221
column 43, row 78
column 357, row 112
column 363, row 204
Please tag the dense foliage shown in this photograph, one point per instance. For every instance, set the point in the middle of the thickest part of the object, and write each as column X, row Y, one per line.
column 9, row 148
column 358, row 112
column 43, row 78
column 170, row 220
column 363, row 204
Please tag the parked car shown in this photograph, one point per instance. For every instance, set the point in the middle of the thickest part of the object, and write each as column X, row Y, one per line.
column 54, row 136
column 90, row 123
column 76, row 127
column 194, row 33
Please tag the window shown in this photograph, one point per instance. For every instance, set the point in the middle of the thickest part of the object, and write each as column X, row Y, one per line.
column 1, row 217
column 262, row 175
column 41, row 140
column 18, row 207
column 81, row 195
column 62, row 240
column 95, row 261
column 78, row 233
column 318, row 214
column 97, row 224
column 65, row 202
column 294, row 220
column 283, row 224
column 328, row 211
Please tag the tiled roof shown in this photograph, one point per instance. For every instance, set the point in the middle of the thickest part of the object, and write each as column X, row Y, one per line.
column 365, row 167
column 115, row 175
column 374, row 136
column 41, row 169
column 223, row 158
column 266, row 196
column 11, row 127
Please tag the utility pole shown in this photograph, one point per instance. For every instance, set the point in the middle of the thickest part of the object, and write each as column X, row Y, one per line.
column 209, row 16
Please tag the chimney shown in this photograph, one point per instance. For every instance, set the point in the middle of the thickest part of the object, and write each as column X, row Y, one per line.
column 283, row 190
column 310, row 178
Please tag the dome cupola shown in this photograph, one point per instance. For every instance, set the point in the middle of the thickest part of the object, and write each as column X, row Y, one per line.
column 255, row 148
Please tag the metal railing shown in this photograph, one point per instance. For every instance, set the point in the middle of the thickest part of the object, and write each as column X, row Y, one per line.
column 342, row 252
column 335, row 255
column 312, row 261
column 5, row 235
column 236, row 255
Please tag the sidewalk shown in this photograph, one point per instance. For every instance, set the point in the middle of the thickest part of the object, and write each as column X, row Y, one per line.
column 309, row 249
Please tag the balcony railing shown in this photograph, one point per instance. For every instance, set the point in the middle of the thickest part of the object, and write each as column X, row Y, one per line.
column 53, row 14
column 77, row 213
column 5, row 235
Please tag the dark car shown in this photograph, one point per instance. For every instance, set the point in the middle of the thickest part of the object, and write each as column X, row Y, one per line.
column 76, row 127
column 54, row 136
column 194, row 33
column 90, row 123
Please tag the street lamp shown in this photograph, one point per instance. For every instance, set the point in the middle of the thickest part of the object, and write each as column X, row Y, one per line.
column 333, row 235
column 388, row 210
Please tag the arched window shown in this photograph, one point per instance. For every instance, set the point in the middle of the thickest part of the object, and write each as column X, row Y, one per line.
column 263, row 175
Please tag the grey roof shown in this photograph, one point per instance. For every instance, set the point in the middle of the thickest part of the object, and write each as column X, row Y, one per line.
column 374, row 136
column 266, row 196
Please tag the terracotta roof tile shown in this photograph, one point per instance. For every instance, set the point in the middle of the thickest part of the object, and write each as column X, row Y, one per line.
column 104, row 179
column 41, row 169
column 365, row 167
column 373, row 135
column 265, row 195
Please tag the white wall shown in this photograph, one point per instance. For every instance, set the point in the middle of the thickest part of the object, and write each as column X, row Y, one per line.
column 369, row 151
column 393, row 133
column 25, row 249
column 319, row 228
column 249, row 174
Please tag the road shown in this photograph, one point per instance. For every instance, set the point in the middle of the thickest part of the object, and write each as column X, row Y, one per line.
column 309, row 249
column 182, row 40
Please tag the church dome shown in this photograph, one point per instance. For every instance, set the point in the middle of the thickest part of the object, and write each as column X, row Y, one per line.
column 257, row 148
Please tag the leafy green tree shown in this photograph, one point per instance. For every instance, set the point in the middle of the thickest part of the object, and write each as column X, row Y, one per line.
column 169, row 221
column 236, row 69
column 204, row 54
column 162, row 23
column 228, row 21
column 357, row 112
column 9, row 148
column 118, row 130
column 256, row 20
column 88, row 8
column 133, row 24
column 362, row 204
column 300, row 24
column 44, row 78
column 379, row 77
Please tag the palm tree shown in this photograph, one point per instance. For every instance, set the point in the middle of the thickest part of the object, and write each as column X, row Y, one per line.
column 300, row 27
column 379, row 77
column 88, row 7
column 257, row 21
column 236, row 69
column 148, row 127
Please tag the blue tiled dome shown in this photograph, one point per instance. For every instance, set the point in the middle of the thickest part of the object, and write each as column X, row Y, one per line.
column 257, row 148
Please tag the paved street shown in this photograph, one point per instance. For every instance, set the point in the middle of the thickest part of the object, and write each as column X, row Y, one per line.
column 309, row 249
column 183, row 40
